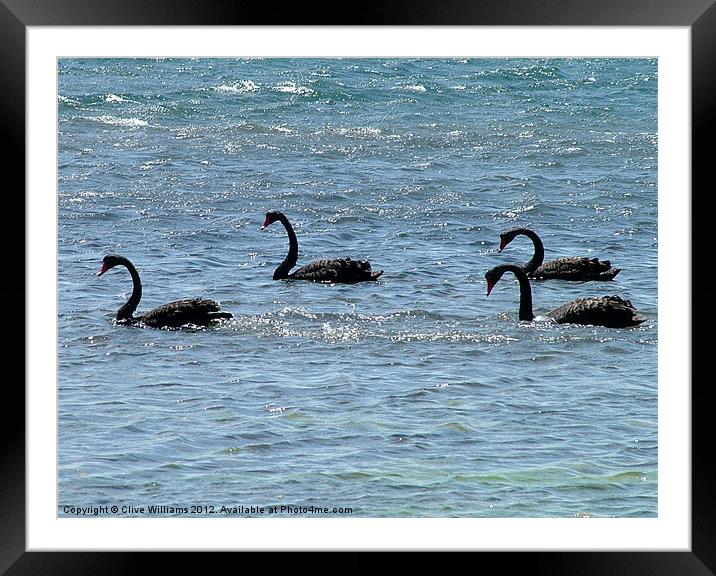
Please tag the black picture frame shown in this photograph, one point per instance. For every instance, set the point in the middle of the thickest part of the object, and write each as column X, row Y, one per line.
column 17, row 15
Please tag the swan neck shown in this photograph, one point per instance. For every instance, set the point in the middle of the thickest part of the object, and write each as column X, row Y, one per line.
column 525, row 296
column 292, row 256
column 538, row 257
column 127, row 311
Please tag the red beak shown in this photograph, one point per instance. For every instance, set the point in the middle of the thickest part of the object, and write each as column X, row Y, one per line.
column 266, row 223
column 103, row 269
column 490, row 286
column 503, row 244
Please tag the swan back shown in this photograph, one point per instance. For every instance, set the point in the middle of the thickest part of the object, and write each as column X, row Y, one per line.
column 609, row 311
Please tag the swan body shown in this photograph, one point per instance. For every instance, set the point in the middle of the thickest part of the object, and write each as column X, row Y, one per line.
column 574, row 268
column 609, row 311
column 336, row 270
column 198, row 311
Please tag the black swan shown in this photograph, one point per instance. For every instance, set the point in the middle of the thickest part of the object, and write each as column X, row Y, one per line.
column 576, row 268
column 196, row 311
column 337, row 270
column 610, row 311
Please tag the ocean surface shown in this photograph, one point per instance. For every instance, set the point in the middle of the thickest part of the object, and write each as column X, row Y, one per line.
column 413, row 396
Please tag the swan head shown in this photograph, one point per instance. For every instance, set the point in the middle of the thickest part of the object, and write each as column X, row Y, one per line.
column 271, row 217
column 109, row 262
column 494, row 274
column 492, row 279
column 507, row 237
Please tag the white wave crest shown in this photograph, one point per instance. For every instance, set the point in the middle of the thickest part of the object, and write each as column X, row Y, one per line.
column 114, row 121
column 282, row 129
column 67, row 100
column 355, row 132
column 241, row 87
column 293, row 88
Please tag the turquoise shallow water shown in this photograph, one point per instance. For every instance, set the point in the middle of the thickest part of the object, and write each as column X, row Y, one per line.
column 415, row 396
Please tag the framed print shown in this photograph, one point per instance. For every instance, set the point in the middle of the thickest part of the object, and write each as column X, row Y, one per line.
column 196, row 381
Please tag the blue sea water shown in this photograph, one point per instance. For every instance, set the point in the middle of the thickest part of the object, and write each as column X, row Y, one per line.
column 414, row 396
